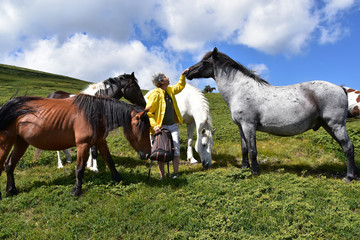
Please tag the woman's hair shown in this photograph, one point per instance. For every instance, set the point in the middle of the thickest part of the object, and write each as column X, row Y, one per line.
column 156, row 78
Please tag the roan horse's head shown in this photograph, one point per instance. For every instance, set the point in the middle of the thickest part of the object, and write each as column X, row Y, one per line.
column 204, row 68
column 139, row 134
column 204, row 144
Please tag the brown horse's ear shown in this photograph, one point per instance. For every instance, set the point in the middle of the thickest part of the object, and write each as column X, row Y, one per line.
column 133, row 74
column 143, row 114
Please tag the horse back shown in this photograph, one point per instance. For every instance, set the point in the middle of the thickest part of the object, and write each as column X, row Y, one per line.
column 53, row 118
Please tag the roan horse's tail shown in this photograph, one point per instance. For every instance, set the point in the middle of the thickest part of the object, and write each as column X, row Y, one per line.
column 13, row 109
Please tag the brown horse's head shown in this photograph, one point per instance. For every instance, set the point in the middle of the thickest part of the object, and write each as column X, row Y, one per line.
column 139, row 133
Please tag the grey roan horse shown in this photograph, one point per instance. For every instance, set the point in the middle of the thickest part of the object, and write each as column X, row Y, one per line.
column 285, row 111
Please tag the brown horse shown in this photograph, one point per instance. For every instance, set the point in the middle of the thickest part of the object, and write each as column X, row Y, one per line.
column 81, row 121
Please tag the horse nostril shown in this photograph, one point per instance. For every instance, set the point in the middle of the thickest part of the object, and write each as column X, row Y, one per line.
column 143, row 155
column 205, row 165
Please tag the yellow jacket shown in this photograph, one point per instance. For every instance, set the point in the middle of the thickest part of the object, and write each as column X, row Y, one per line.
column 156, row 102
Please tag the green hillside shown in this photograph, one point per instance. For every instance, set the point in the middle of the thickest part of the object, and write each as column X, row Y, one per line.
column 34, row 83
column 299, row 193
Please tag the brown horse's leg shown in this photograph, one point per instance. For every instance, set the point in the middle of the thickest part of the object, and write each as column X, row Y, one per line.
column 18, row 151
column 5, row 146
column 82, row 156
column 105, row 153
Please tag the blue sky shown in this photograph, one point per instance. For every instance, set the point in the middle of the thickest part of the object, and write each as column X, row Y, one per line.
column 286, row 42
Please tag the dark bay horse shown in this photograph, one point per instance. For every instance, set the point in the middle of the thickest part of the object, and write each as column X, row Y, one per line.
column 125, row 85
column 285, row 111
column 56, row 124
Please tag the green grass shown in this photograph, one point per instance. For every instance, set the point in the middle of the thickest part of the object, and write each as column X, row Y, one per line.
column 22, row 81
column 299, row 193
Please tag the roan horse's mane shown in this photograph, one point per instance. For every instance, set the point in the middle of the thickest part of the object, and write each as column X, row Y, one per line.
column 227, row 62
column 114, row 113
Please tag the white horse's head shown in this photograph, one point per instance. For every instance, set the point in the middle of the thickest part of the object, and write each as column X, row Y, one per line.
column 204, row 144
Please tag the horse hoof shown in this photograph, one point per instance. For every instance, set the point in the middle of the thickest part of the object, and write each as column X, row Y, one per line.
column 117, row 178
column 256, row 171
column 193, row 161
column 348, row 179
column 12, row 192
column 76, row 192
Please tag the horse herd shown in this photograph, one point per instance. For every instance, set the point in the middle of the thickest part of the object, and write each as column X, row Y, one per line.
column 84, row 120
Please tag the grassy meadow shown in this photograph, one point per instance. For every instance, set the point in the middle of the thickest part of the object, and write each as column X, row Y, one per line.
column 299, row 193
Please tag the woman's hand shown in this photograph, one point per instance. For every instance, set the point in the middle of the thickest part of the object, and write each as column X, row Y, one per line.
column 157, row 130
column 185, row 71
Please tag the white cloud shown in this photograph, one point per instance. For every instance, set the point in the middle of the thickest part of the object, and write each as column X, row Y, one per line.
column 93, row 59
column 260, row 69
column 270, row 26
column 331, row 30
column 93, row 40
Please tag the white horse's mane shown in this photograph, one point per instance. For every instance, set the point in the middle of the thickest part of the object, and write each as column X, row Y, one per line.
column 203, row 101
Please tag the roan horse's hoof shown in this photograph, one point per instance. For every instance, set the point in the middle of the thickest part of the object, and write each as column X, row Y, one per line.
column 348, row 179
column 255, row 171
column 12, row 192
column 76, row 192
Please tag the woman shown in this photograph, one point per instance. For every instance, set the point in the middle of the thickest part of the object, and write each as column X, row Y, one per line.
column 164, row 113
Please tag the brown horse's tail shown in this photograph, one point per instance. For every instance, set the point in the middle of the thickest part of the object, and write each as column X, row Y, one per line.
column 13, row 109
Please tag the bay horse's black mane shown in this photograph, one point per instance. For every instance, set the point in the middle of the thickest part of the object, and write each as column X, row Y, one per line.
column 113, row 112
column 227, row 62
column 14, row 109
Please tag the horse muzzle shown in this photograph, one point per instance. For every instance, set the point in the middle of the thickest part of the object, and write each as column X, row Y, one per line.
column 143, row 155
column 206, row 164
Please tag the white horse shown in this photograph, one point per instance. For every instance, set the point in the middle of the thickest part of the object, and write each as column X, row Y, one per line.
column 194, row 108
column 255, row 105
column 354, row 102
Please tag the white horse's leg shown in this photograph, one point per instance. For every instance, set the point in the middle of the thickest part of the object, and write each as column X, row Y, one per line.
column 68, row 155
column 60, row 165
column 190, row 133
column 89, row 161
column 92, row 161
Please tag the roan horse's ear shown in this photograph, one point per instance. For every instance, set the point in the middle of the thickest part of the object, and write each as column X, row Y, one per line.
column 215, row 52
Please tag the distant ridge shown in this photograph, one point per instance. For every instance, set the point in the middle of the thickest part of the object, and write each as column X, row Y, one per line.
column 30, row 82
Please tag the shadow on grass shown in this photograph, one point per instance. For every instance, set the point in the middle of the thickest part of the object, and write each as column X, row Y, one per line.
column 132, row 175
column 330, row 170
column 132, row 171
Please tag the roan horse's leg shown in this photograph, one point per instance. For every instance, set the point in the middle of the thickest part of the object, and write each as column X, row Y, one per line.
column 190, row 133
column 82, row 155
column 248, row 147
column 339, row 133
column 18, row 151
column 244, row 151
column 105, row 153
